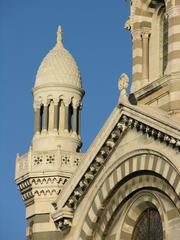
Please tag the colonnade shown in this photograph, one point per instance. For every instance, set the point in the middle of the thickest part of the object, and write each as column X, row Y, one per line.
column 58, row 116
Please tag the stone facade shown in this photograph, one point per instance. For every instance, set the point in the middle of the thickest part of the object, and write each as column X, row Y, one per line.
column 127, row 185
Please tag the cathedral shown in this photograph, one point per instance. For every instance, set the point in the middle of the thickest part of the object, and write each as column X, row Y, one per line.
column 126, row 186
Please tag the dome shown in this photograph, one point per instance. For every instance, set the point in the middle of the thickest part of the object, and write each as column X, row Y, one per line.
column 58, row 67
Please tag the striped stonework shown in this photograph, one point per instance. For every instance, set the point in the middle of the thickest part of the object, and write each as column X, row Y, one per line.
column 144, row 171
column 158, row 55
column 137, row 60
column 141, row 20
column 173, row 13
column 40, row 226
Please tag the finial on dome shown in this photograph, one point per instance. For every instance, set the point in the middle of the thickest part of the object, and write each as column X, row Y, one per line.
column 59, row 36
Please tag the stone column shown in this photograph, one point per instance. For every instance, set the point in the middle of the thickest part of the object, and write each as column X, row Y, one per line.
column 173, row 14
column 66, row 115
column 61, row 115
column 45, row 118
column 79, row 119
column 56, row 114
column 75, row 104
column 37, row 119
column 137, row 60
column 145, row 50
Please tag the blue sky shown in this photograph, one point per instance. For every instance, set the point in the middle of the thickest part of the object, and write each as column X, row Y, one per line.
column 94, row 34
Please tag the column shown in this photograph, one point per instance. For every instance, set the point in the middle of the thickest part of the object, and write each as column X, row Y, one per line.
column 37, row 119
column 137, row 60
column 45, row 118
column 75, row 104
column 66, row 115
column 79, row 119
column 145, row 50
column 61, row 115
column 56, row 114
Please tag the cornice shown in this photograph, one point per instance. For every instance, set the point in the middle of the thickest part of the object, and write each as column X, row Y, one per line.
column 155, row 85
column 48, row 86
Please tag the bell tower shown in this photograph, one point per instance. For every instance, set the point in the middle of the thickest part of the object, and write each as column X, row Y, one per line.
column 154, row 25
column 55, row 152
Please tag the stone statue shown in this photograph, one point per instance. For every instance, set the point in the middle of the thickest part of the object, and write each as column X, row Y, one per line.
column 123, row 85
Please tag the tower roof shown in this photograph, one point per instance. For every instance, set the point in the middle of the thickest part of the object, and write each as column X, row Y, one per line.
column 58, row 67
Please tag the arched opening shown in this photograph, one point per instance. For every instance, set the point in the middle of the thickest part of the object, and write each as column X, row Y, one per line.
column 148, row 226
column 41, row 117
column 158, row 44
column 70, row 119
column 164, row 47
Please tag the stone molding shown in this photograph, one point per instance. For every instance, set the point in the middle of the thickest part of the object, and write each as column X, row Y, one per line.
column 155, row 85
column 125, row 123
column 58, row 85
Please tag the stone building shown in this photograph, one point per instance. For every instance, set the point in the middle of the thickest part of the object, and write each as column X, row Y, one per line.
column 127, row 185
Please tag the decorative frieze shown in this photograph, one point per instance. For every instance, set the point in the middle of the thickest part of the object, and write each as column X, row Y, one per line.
column 41, row 186
column 54, row 160
column 31, row 166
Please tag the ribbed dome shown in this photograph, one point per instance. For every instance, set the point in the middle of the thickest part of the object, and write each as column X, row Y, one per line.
column 58, row 67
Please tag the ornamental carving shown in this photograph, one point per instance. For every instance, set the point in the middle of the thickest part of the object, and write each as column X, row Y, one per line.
column 41, row 186
column 50, row 159
column 76, row 161
column 65, row 160
column 38, row 160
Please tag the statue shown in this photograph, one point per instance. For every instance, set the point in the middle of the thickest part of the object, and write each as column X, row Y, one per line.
column 123, row 85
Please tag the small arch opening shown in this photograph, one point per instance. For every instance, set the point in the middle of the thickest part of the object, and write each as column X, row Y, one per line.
column 41, row 117
column 70, row 119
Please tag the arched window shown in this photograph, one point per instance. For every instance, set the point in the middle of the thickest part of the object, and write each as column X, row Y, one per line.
column 158, row 45
column 148, row 226
column 41, row 117
column 164, row 43
column 70, row 120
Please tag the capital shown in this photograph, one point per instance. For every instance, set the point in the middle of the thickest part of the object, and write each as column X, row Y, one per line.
column 37, row 105
column 75, row 103
column 66, row 101
column 136, row 34
column 145, row 33
column 56, row 101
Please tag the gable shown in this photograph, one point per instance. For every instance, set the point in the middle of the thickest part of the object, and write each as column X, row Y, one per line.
column 126, row 123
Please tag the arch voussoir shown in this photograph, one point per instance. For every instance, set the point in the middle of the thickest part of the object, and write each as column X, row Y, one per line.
column 142, row 171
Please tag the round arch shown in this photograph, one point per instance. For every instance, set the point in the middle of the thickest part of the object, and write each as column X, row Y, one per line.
column 144, row 166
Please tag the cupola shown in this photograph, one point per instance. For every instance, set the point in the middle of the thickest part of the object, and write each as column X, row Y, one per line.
column 57, row 100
